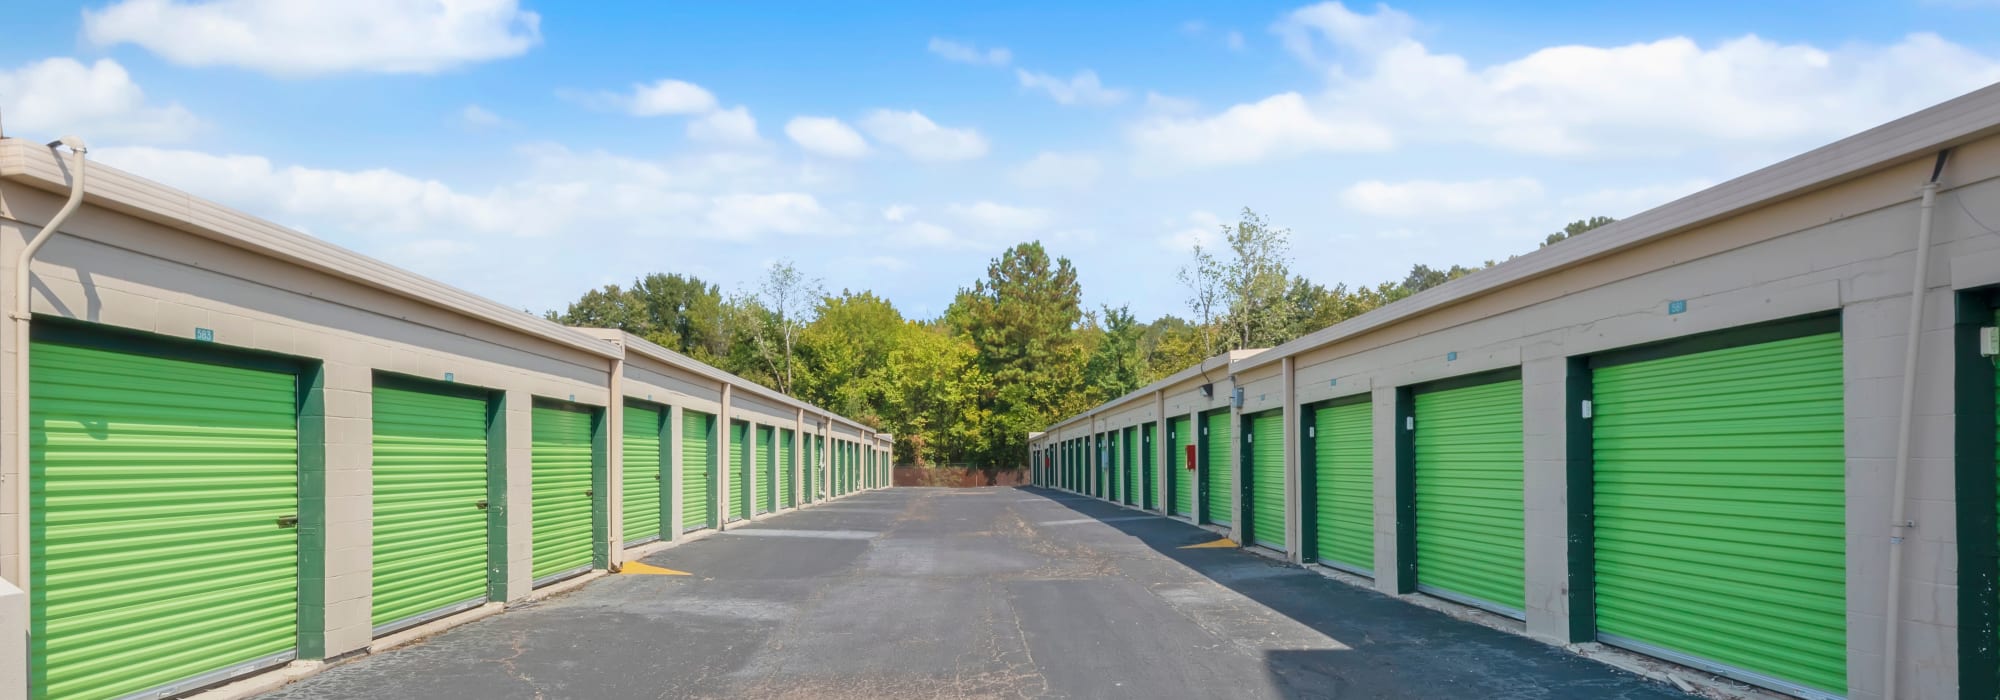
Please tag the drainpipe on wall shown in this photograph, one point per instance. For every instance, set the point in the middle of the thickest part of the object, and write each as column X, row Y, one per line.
column 614, row 479
column 21, row 313
column 1899, row 525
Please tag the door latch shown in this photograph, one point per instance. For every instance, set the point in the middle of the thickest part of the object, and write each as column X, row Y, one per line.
column 480, row 505
column 589, row 492
column 288, row 521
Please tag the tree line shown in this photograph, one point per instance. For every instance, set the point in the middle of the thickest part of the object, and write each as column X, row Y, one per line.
column 1015, row 350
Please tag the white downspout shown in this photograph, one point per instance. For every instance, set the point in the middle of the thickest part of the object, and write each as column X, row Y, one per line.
column 21, row 312
column 1899, row 525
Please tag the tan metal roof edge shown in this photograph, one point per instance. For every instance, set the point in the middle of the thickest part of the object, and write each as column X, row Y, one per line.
column 1220, row 361
column 654, row 351
column 1961, row 119
column 110, row 188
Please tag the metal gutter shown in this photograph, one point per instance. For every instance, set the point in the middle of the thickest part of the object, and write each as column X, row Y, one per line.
column 115, row 190
column 1919, row 135
column 1222, row 362
column 654, row 351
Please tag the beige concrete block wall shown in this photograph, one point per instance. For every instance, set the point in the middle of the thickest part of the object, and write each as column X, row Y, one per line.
column 1844, row 249
column 115, row 270
column 1855, row 260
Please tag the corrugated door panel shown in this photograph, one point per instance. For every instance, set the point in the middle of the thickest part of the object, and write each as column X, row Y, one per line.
column 1114, row 475
column 644, row 473
column 786, row 465
column 766, row 467
column 1130, row 442
column 1344, row 462
column 1148, row 476
column 1181, row 435
column 561, row 498
column 697, row 469
column 1108, row 465
column 430, row 479
column 1221, row 482
column 1720, row 492
column 1267, row 479
column 739, row 470
column 156, row 489
column 819, row 466
column 1468, row 496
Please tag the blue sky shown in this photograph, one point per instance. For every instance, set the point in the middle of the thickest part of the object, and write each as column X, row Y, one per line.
column 529, row 151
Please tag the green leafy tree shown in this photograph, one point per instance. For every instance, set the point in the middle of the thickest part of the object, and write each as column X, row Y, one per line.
column 1022, row 322
column 1576, row 228
column 1117, row 364
column 785, row 302
column 606, row 307
column 842, row 352
column 931, row 392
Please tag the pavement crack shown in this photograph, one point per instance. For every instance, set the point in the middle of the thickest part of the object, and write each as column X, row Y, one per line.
column 520, row 645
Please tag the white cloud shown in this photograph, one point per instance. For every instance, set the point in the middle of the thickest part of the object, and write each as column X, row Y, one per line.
column 59, row 96
column 826, row 136
column 1277, row 126
column 928, row 235
column 566, row 195
column 1432, row 199
column 1652, row 97
column 1083, row 88
column 1200, row 228
column 981, row 225
column 1169, row 105
column 1049, row 169
column 668, row 97
column 968, row 53
column 303, row 37
column 1233, row 40
column 725, row 126
column 477, row 116
column 1621, row 202
column 917, row 136
column 745, row 215
column 1001, row 217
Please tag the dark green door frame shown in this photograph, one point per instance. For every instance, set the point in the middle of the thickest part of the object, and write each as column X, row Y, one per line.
column 1978, row 522
column 1306, row 442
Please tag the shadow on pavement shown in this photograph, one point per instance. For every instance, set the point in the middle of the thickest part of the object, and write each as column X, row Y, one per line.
column 1383, row 647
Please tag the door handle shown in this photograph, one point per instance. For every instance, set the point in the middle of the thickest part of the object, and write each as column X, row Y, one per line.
column 480, row 505
column 288, row 521
column 589, row 492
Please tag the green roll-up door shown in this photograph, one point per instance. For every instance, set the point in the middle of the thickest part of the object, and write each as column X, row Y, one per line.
column 1131, row 456
column 644, row 473
column 1180, row 434
column 1112, row 488
column 786, row 467
column 767, row 464
column 430, row 491
column 1267, row 479
column 156, row 489
column 1720, row 507
column 1468, row 470
column 1148, row 468
column 1344, row 485
column 818, row 467
column 562, row 490
column 697, row 469
column 739, row 470
column 1114, row 466
column 1221, row 482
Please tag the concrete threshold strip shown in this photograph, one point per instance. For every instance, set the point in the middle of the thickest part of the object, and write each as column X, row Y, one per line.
column 1083, row 521
column 1689, row 680
column 809, row 534
column 270, row 681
